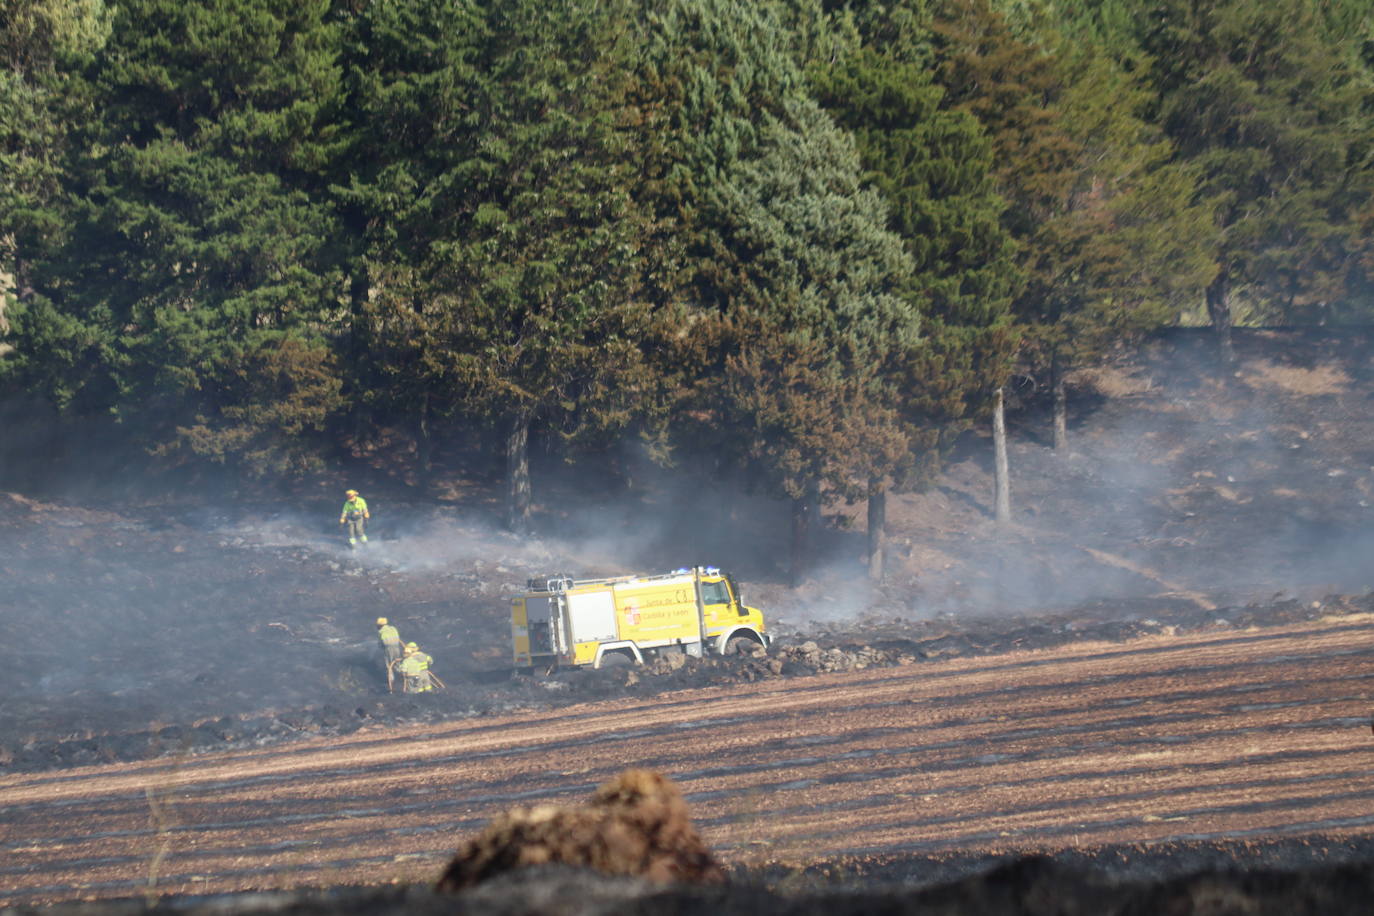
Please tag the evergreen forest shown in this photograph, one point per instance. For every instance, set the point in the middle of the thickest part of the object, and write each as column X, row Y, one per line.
column 803, row 241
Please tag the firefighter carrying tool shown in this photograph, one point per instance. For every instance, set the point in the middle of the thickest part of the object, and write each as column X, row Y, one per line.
column 391, row 639
column 564, row 621
column 391, row 645
column 414, row 669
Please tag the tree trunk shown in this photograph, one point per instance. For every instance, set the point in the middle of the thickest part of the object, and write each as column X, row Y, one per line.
column 1219, row 309
column 23, row 287
column 424, row 442
column 877, row 528
column 518, row 474
column 359, row 289
column 1002, row 473
column 7, row 286
column 804, row 511
column 1061, row 405
column 16, row 283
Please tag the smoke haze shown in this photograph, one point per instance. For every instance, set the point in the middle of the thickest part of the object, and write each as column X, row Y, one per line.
column 1181, row 489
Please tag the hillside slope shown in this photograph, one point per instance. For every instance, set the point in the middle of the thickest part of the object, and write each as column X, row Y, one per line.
column 1188, row 501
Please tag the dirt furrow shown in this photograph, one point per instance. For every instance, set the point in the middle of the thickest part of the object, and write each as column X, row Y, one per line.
column 1161, row 738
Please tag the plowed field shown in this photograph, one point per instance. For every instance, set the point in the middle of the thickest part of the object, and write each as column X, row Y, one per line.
column 1255, row 734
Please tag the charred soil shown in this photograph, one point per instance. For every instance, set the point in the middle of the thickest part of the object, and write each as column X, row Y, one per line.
column 1189, row 503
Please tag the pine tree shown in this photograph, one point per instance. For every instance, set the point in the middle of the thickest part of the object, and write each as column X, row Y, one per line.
column 933, row 166
column 409, row 126
column 1271, row 107
column 1110, row 240
column 794, row 300
column 42, row 44
column 197, row 233
column 531, row 273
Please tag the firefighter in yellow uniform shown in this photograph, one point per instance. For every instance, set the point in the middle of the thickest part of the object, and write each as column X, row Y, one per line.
column 355, row 515
column 425, row 661
column 391, row 640
column 414, row 667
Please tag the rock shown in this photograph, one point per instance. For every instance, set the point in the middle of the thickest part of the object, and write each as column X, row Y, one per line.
column 637, row 824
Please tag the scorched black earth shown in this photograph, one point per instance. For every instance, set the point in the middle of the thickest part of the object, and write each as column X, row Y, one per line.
column 143, row 635
column 1190, row 504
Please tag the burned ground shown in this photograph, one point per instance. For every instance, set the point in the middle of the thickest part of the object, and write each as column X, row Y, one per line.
column 1141, row 761
column 1035, row 886
column 137, row 639
column 1188, row 502
column 143, row 627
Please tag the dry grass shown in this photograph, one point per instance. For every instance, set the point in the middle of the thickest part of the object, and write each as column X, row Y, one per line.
column 1262, row 374
column 1115, row 381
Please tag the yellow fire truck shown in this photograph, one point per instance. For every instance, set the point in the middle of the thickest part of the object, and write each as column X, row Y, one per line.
column 562, row 621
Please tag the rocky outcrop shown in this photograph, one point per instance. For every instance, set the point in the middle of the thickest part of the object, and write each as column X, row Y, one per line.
column 637, row 824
